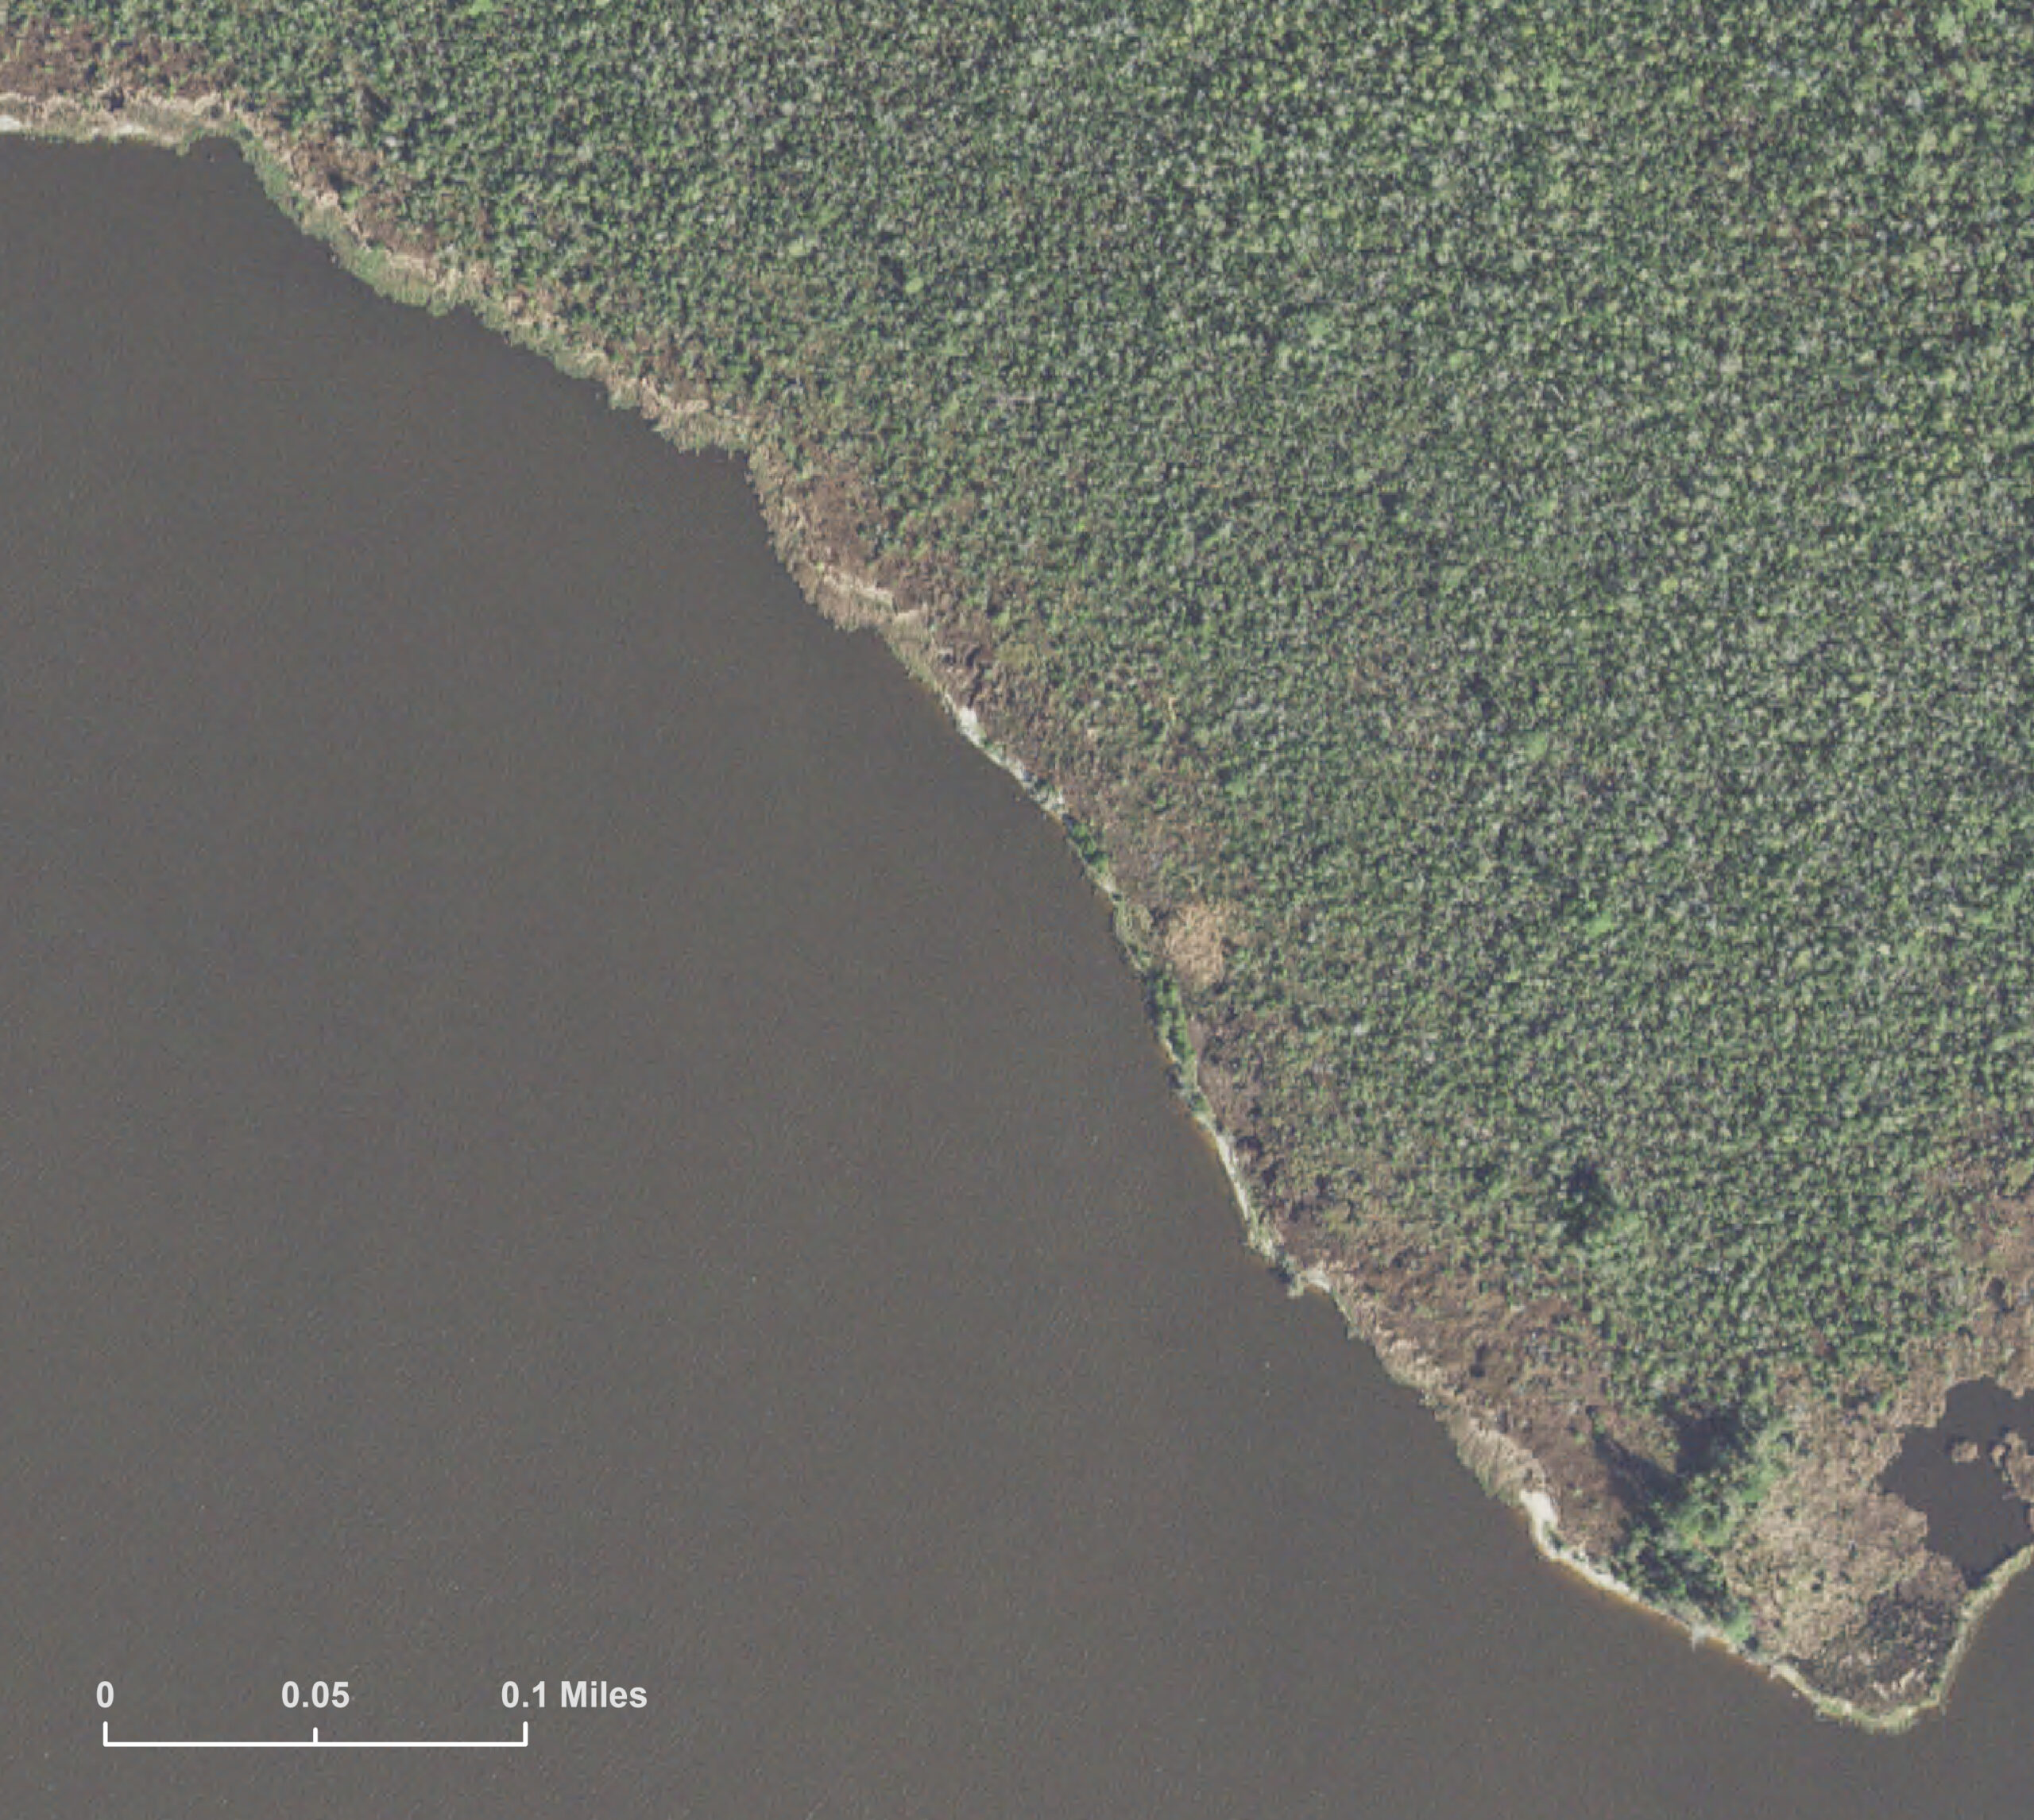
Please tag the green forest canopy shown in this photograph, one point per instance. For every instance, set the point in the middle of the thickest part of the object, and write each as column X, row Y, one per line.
column 1541, row 492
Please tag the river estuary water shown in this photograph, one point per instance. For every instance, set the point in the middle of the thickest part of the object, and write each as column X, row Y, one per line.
column 559, row 1124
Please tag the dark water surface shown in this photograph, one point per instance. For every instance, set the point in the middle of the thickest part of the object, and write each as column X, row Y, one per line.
column 1975, row 1515
column 557, row 1123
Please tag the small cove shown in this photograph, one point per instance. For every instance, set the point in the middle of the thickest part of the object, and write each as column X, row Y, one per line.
column 1955, row 1475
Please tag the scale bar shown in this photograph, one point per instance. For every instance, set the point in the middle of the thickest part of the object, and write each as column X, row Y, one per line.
column 314, row 1742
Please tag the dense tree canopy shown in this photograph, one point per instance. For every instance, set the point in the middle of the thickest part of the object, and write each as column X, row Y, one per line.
column 1535, row 497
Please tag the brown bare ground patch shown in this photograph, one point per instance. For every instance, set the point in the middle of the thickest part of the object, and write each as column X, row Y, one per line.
column 1197, row 944
column 39, row 60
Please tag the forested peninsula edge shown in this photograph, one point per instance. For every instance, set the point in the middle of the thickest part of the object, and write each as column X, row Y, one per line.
column 1501, row 536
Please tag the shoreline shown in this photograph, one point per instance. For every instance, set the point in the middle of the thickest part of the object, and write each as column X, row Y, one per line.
column 1506, row 1468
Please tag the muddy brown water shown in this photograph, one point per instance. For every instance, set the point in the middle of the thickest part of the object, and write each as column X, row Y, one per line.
column 558, row 1125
